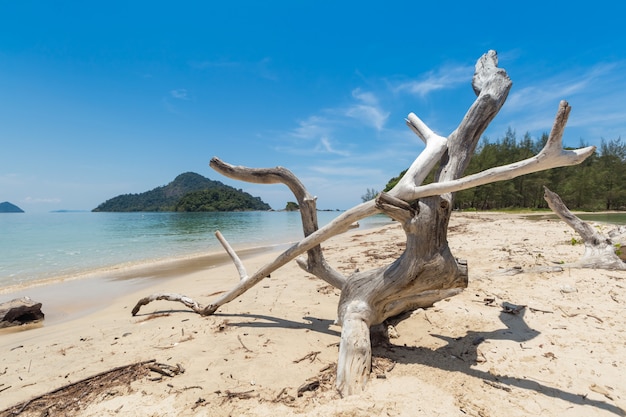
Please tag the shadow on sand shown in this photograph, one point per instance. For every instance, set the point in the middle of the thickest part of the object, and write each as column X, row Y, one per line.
column 311, row 323
column 459, row 354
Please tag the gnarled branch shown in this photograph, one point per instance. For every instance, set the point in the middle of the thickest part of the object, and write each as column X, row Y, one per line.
column 551, row 156
column 315, row 264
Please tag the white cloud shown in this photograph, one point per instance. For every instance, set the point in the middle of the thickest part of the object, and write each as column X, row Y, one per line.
column 325, row 146
column 446, row 77
column 169, row 107
column 366, row 97
column 595, row 94
column 311, row 128
column 261, row 68
column 327, row 122
column 171, row 102
column 10, row 179
column 563, row 86
column 38, row 200
column 222, row 63
column 367, row 111
column 180, row 93
column 347, row 171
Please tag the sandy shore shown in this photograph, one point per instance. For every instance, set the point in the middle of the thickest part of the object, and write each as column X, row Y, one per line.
column 68, row 298
column 562, row 354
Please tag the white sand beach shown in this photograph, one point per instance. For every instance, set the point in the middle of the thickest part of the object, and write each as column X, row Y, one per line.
column 550, row 343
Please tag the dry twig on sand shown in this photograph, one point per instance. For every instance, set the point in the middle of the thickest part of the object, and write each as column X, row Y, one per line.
column 70, row 399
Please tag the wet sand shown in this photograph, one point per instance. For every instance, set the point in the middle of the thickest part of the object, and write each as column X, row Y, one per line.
column 68, row 298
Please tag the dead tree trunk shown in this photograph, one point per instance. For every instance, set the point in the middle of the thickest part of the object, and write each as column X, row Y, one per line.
column 427, row 271
column 599, row 249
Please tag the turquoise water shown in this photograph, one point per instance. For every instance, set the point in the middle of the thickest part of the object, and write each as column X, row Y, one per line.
column 37, row 246
column 611, row 218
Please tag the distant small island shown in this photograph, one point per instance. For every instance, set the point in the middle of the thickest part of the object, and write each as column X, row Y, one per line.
column 7, row 207
column 189, row 192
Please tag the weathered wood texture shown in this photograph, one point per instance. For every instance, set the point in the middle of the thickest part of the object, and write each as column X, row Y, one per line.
column 427, row 271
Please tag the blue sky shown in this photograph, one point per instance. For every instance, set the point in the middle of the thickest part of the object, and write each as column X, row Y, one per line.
column 99, row 99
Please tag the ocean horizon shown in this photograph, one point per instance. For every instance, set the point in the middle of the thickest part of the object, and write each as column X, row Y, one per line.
column 55, row 246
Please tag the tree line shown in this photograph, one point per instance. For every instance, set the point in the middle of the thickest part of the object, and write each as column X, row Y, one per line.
column 596, row 184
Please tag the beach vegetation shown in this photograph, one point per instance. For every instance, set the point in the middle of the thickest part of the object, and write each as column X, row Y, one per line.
column 594, row 185
column 370, row 194
column 618, row 248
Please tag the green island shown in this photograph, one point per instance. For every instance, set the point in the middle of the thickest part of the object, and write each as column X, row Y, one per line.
column 189, row 192
column 7, row 207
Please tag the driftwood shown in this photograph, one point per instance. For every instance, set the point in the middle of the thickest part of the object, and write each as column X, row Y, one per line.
column 20, row 311
column 600, row 250
column 71, row 398
column 427, row 271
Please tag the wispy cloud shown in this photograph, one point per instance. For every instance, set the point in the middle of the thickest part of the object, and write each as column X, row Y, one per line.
column 180, row 94
column 39, row 200
column 312, row 127
column 446, row 77
column 219, row 63
column 169, row 107
column 10, row 179
column 367, row 110
column 564, row 86
column 348, row 171
column 311, row 145
column 595, row 94
column 325, row 146
column 318, row 132
column 174, row 99
column 264, row 70
column 261, row 68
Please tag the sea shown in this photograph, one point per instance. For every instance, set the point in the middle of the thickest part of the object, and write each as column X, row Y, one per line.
column 614, row 218
column 44, row 247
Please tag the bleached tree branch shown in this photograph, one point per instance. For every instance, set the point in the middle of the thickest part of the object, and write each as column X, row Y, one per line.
column 426, row 271
column 551, row 156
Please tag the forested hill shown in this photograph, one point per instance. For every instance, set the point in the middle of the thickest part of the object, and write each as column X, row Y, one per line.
column 7, row 207
column 188, row 192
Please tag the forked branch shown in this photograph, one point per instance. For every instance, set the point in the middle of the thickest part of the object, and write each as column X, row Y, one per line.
column 315, row 263
column 551, row 156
